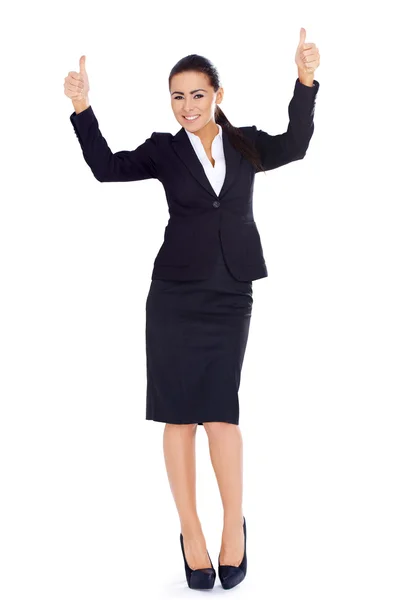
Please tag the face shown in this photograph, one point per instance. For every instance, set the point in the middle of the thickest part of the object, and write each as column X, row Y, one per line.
column 192, row 95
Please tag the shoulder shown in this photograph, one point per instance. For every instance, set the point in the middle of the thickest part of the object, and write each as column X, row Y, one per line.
column 161, row 138
column 249, row 131
column 161, row 135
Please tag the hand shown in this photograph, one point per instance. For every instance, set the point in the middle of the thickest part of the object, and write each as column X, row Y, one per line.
column 76, row 85
column 307, row 55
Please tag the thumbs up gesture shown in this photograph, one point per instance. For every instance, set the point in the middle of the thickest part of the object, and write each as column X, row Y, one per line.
column 307, row 55
column 76, row 85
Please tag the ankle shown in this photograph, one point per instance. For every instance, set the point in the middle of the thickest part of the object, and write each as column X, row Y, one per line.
column 233, row 519
column 191, row 529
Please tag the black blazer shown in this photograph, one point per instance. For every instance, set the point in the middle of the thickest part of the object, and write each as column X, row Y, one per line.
column 197, row 215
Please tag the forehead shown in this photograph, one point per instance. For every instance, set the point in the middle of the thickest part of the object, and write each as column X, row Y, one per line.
column 189, row 80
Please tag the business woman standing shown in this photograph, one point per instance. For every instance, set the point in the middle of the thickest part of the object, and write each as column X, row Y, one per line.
column 199, row 304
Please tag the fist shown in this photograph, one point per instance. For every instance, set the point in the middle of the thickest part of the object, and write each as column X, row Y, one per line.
column 76, row 85
column 307, row 54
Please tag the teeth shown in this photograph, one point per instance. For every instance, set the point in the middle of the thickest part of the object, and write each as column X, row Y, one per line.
column 192, row 118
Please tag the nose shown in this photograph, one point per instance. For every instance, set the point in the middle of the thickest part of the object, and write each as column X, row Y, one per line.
column 187, row 106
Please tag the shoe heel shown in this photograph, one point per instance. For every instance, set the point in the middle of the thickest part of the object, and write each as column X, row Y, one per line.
column 198, row 579
column 229, row 575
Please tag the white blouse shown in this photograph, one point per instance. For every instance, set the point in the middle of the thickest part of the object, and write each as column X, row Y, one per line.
column 216, row 174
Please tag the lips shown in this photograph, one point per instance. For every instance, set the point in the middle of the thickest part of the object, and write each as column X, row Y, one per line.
column 194, row 118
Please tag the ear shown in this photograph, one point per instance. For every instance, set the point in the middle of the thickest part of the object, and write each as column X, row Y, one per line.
column 220, row 95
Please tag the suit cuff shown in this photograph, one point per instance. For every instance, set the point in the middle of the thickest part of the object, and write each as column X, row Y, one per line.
column 306, row 90
column 82, row 121
column 85, row 116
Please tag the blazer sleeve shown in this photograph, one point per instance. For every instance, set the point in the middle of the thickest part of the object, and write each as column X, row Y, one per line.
column 125, row 165
column 281, row 149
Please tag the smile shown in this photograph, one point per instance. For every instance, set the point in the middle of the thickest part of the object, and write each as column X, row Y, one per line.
column 191, row 118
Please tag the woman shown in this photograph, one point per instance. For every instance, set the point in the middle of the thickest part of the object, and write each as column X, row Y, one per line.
column 199, row 305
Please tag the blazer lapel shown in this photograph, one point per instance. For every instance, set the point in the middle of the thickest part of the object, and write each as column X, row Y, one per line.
column 187, row 154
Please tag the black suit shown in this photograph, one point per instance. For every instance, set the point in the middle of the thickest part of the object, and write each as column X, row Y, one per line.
column 197, row 214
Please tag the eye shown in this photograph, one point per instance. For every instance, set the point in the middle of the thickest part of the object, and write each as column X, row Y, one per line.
column 195, row 96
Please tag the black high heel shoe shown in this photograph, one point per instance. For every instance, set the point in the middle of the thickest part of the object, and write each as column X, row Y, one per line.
column 230, row 575
column 198, row 579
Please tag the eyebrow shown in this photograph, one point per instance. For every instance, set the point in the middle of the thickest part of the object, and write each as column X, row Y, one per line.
column 192, row 92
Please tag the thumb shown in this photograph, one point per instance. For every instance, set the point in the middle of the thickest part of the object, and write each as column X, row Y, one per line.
column 302, row 36
column 82, row 65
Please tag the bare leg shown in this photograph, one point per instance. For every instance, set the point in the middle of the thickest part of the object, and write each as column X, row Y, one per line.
column 180, row 461
column 226, row 452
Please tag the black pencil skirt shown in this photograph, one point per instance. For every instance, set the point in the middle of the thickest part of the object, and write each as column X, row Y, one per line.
column 196, row 337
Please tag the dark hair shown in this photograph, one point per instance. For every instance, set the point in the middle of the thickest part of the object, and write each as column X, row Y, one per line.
column 195, row 62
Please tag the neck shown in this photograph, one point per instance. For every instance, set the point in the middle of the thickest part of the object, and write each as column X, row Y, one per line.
column 207, row 133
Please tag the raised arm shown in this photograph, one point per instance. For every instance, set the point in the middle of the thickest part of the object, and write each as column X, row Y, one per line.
column 125, row 165
column 281, row 149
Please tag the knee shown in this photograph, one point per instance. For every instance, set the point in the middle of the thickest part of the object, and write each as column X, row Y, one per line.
column 182, row 427
column 217, row 427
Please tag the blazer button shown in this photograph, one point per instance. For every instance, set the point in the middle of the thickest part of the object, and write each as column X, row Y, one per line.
column 216, row 204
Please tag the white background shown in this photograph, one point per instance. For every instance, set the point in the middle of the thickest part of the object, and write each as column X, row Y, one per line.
column 85, row 508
